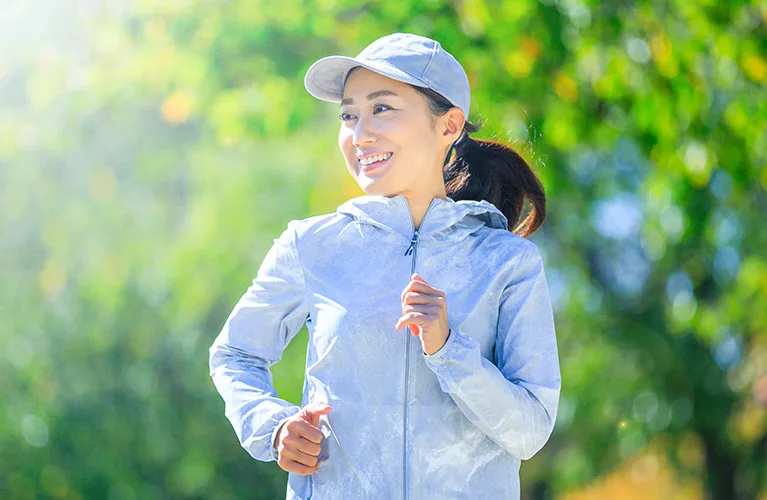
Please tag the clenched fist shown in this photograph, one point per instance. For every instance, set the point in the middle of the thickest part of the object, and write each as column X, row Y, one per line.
column 424, row 310
column 298, row 440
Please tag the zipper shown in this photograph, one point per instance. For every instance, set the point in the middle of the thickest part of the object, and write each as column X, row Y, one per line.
column 412, row 249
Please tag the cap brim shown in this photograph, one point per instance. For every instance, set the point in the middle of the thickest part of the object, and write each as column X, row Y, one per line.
column 325, row 78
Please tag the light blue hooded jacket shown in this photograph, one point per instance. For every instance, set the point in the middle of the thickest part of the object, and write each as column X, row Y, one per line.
column 404, row 425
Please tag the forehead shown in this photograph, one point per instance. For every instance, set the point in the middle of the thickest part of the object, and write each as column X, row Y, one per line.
column 362, row 81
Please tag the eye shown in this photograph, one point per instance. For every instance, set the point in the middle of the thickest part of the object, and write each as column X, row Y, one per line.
column 346, row 116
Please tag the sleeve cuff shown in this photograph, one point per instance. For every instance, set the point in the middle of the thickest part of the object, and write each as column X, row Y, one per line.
column 455, row 360
column 276, row 429
column 440, row 354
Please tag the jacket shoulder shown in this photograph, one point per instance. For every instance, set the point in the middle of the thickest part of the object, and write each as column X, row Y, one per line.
column 510, row 253
column 318, row 225
column 506, row 242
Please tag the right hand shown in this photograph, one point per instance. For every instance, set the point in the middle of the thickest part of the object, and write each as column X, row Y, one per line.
column 298, row 440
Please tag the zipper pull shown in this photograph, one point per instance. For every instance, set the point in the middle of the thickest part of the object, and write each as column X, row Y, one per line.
column 412, row 243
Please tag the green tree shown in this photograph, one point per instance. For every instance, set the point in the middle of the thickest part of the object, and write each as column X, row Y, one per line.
column 144, row 148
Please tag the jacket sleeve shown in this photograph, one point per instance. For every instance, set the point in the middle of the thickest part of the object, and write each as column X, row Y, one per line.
column 265, row 319
column 514, row 403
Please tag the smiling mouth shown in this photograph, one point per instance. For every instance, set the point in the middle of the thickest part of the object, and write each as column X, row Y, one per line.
column 375, row 164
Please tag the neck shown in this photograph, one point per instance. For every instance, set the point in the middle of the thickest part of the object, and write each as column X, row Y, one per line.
column 419, row 203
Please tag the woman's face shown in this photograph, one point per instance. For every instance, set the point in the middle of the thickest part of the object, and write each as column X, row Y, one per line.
column 382, row 116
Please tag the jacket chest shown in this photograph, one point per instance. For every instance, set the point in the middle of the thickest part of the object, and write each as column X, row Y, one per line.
column 355, row 296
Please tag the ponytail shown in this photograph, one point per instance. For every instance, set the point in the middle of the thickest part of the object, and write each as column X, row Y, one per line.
column 488, row 170
column 491, row 171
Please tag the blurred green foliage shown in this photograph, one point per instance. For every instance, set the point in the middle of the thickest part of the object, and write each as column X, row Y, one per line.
column 151, row 150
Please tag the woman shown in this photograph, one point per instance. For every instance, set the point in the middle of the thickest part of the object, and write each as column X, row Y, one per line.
column 451, row 410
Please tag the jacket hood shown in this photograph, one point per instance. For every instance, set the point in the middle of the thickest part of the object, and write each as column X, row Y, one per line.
column 446, row 220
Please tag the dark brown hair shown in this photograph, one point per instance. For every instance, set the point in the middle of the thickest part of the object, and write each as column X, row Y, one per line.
column 492, row 171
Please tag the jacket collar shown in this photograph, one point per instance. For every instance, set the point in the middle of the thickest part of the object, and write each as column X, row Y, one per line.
column 445, row 221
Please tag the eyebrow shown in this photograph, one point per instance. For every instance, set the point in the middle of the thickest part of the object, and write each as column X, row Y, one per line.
column 371, row 96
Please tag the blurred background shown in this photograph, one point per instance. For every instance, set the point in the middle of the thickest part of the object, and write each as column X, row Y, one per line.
column 150, row 151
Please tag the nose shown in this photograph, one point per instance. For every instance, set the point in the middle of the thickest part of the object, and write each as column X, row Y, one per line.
column 363, row 132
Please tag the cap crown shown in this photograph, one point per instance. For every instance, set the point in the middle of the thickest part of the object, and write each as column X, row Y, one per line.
column 424, row 59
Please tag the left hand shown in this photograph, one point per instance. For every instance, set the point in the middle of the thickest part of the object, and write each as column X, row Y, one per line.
column 424, row 309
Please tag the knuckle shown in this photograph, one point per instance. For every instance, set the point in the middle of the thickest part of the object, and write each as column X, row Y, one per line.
column 293, row 466
column 309, row 449
column 306, row 470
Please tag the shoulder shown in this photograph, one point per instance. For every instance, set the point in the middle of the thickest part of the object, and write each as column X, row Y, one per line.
column 513, row 256
column 315, row 231
column 507, row 245
column 317, row 225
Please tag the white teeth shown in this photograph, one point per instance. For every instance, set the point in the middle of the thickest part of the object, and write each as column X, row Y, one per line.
column 372, row 159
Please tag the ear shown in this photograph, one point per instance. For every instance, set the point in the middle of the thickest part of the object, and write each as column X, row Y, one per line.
column 453, row 122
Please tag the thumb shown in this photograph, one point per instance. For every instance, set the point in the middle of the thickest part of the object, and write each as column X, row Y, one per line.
column 313, row 411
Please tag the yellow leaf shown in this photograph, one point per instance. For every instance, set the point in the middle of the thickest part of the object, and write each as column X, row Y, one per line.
column 755, row 67
column 176, row 108
column 565, row 88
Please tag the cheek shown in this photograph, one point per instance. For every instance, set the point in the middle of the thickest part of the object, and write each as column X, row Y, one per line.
column 345, row 141
column 345, row 144
column 414, row 142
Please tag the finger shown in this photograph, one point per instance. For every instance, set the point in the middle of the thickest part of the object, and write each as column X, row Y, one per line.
column 414, row 318
column 422, row 298
column 416, row 298
column 305, row 446
column 299, row 443
column 304, row 429
column 422, row 287
column 406, row 319
column 418, row 277
column 427, row 308
column 415, row 286
column 293, row 466
column 300, row 457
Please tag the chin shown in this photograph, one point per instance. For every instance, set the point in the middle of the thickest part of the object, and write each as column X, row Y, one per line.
column 374, row 187
column 369, row 187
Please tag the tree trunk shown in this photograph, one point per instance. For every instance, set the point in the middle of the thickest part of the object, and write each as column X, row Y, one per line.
column 720, row 470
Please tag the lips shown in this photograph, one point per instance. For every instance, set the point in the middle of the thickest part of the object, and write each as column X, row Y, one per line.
column 365, row 158
column 374, row 165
